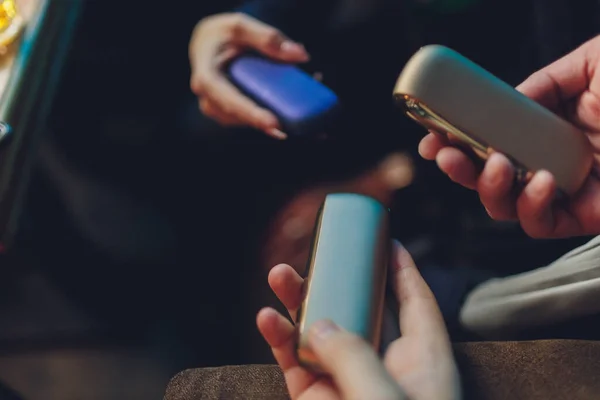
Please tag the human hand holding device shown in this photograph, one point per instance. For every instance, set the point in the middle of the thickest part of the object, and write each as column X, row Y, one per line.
column 216, row 40
column 419, row 365
column 303, row 105
column 570, row 88
column 346, row 270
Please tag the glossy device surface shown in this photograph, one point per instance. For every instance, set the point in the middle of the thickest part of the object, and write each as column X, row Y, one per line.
column 303, row 105
column 346, row 271
column 450, row 95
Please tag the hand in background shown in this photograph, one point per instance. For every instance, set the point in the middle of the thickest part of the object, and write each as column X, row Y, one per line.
column 216, row 40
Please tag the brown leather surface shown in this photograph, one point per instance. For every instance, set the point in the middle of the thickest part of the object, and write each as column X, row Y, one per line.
column 552, row 369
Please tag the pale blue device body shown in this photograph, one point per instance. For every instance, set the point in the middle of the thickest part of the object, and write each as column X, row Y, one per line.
column 347, row 269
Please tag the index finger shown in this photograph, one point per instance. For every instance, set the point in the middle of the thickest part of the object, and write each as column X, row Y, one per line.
column 419, row 312
column 286, row 283
column 208, row 80
column 562, row 80
column 280, row 336
column 232, row 102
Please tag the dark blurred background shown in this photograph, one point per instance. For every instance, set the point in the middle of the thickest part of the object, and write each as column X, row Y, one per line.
column 148, row 231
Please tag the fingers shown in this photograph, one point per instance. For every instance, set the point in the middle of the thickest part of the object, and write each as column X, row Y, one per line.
column 214, row 112
column 564, row 79
column 420, row 315
column 494, row 184
column 226, row 104
column 214, row 41
column 451, row 160
column 495, row 187
column 430, row 146
column 352, row 363
column 458, row 166
column 584, row 112
column 279, row 333
column 534, row 205
column 287, row 286
column 250, row 32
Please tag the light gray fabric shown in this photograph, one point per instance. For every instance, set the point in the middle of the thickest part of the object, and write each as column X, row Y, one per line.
column 567, row 288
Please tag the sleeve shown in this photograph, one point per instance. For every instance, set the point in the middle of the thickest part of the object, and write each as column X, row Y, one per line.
column 298, row 19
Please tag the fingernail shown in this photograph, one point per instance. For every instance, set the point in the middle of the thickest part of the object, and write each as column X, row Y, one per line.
column 277, row 134
column 539, row 184
column 288, row 46
column 497, row 177
column 495, row 157
column 321, row 330
column 499, row 159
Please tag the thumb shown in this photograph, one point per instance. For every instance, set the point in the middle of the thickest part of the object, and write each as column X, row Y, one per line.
column 252, row 33
column 352, row 363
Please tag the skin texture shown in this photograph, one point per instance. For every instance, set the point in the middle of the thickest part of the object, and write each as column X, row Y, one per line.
column 216, row 40
column 569, row 87
column 418, row 366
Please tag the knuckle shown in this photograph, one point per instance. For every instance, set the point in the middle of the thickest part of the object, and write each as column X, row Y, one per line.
column 534, row 76
column 206, row 24
column 198, row 85
column 204, row 106
column 594, row 107
column 220, row 24
column 207, row 110
column 229, row 109
column 210, row 91
column 237, row 23
column 271, row 37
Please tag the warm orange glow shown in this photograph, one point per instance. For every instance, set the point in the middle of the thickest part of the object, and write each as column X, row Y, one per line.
column 11, row 24
column 8, row 12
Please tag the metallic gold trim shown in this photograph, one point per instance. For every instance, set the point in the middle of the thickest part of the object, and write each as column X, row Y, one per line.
column 428, row 118
column 431, row 120
column 306, row 357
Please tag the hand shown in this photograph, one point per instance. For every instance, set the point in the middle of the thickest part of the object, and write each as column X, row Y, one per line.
column 216, row 40
column 571, row 88
column 419, row 365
